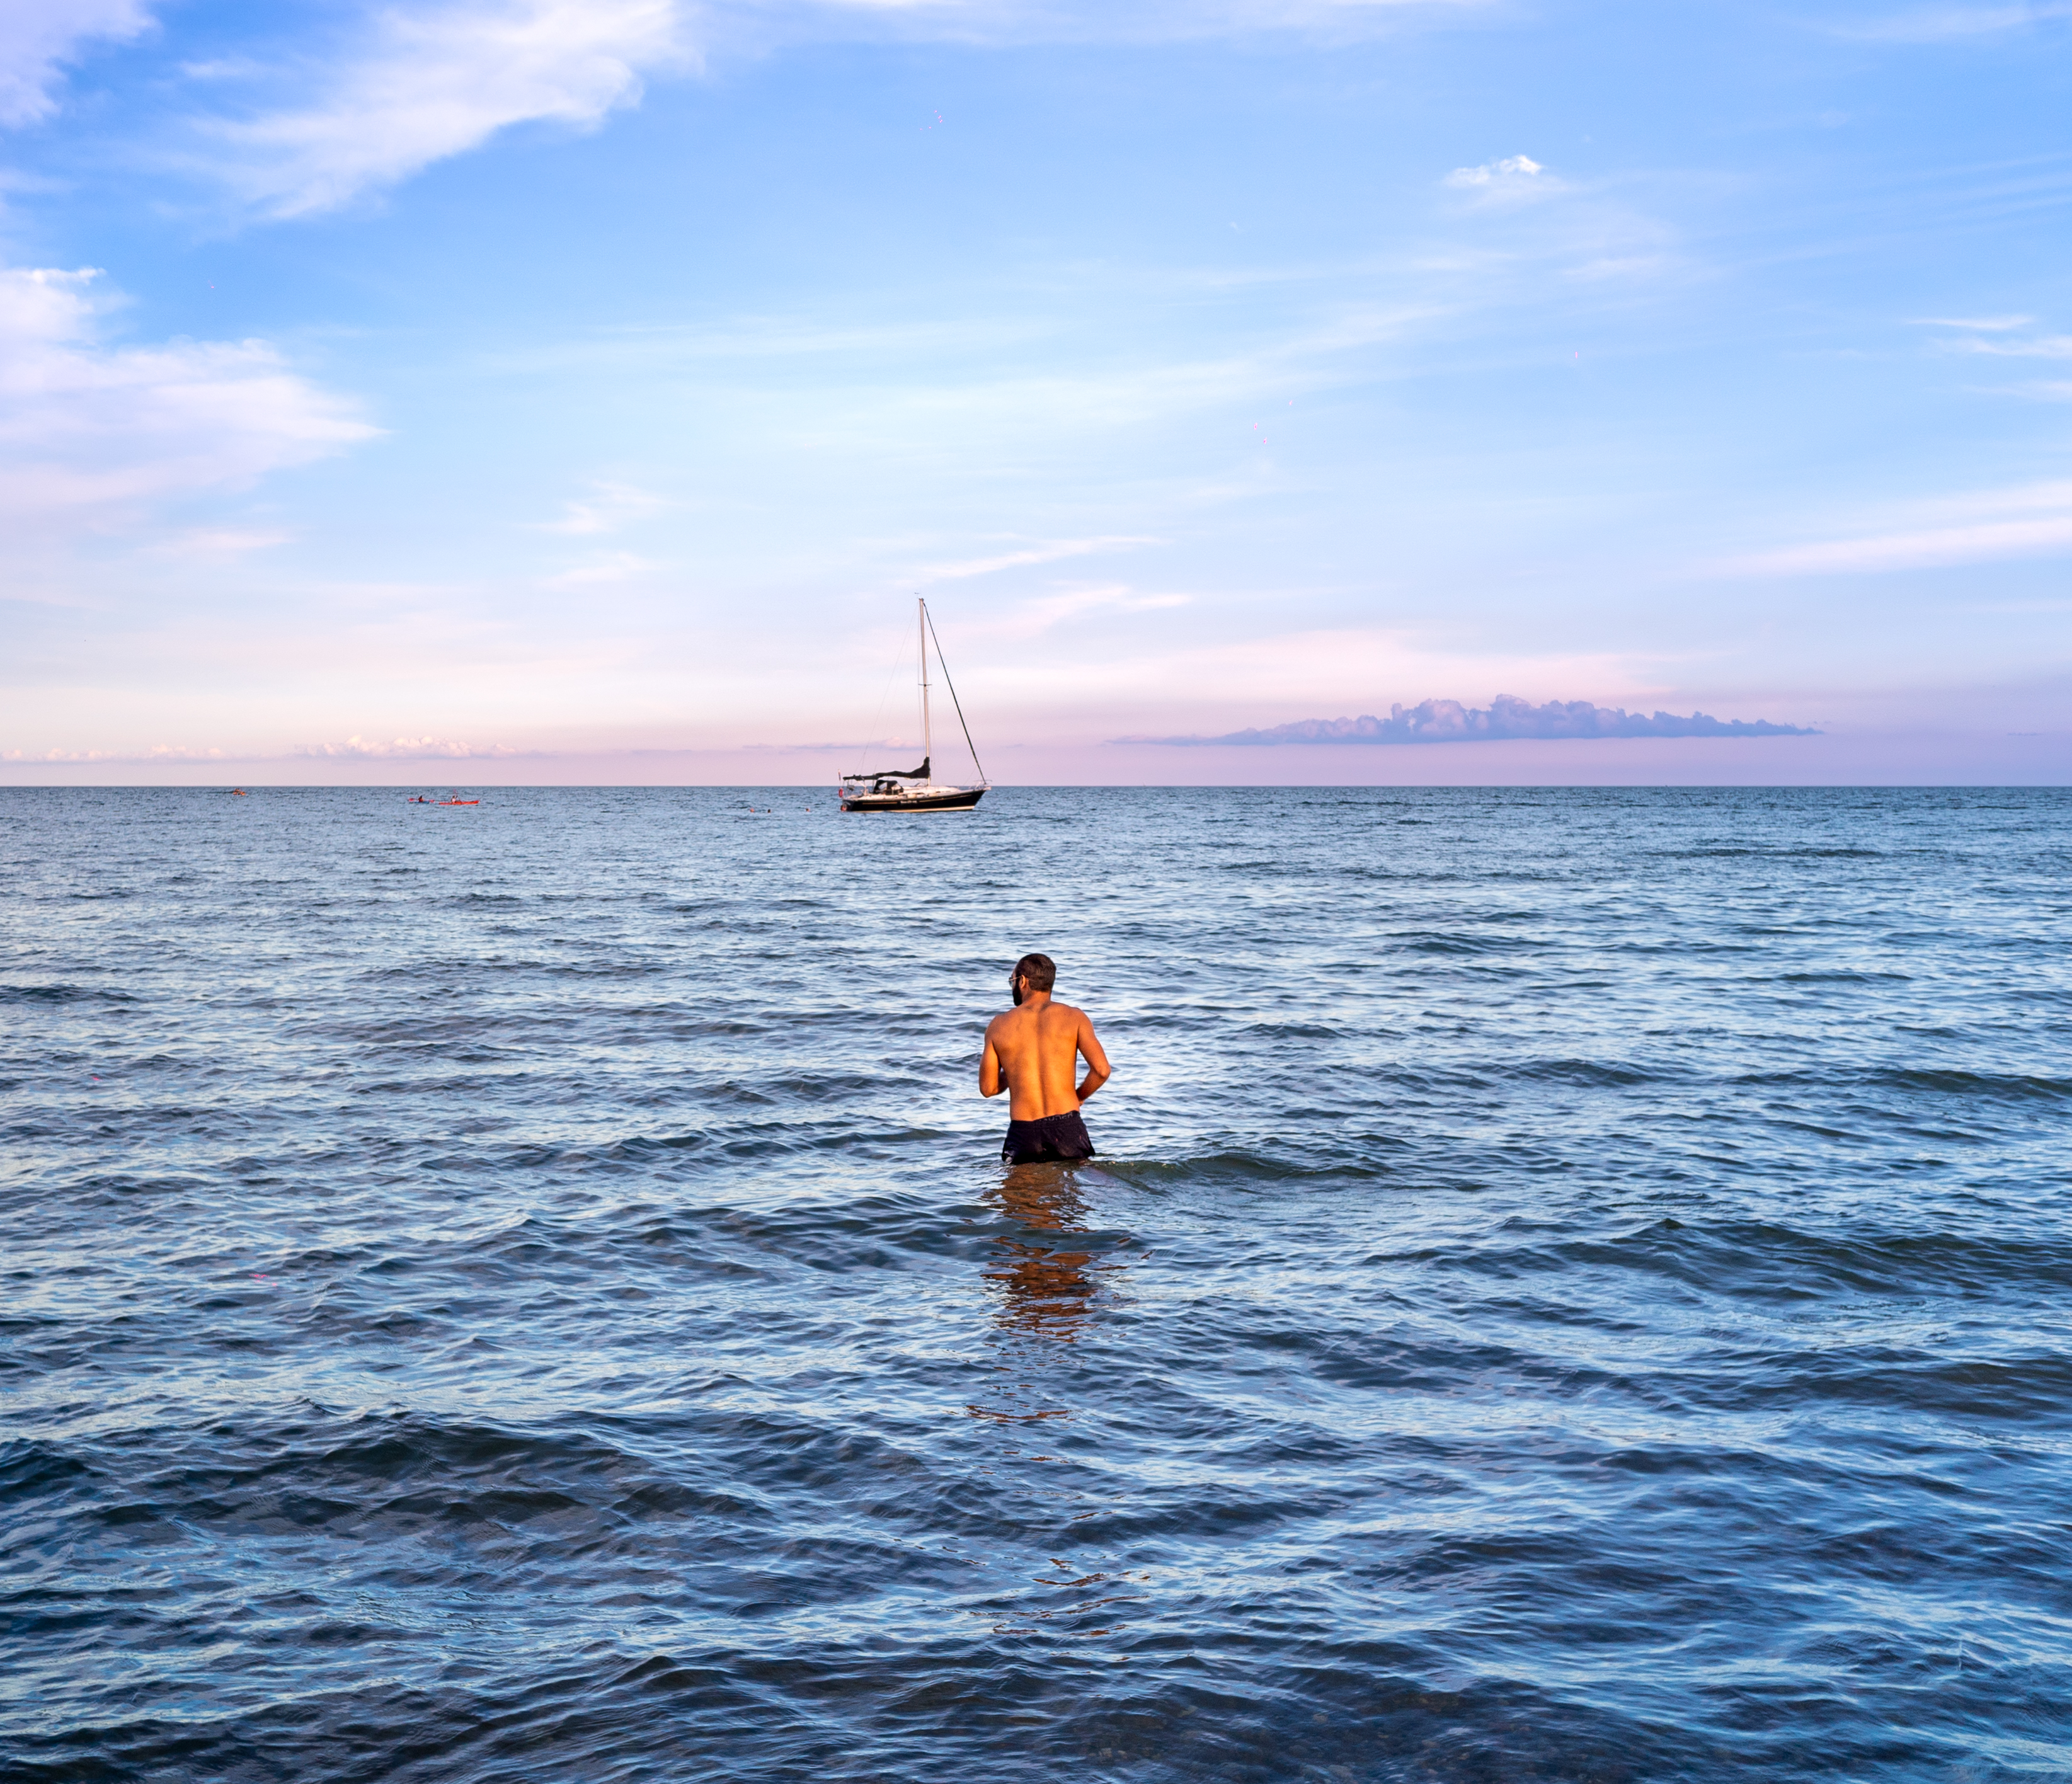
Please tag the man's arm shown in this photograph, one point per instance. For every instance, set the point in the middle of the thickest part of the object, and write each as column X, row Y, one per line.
column 992, row 1080
column 1097, row 1072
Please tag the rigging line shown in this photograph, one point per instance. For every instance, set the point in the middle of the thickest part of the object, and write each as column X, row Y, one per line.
column 884, row 693
column 952, row 686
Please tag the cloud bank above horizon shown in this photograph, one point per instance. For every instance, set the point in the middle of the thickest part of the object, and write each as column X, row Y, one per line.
column 1507, row 718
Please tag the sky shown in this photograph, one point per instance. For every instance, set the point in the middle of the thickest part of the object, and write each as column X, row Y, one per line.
column 480, row 392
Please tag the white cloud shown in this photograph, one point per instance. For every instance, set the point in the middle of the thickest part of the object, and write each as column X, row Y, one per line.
column 1514, row 179
column 2031, row 520
column 89, row 431
column 37, row 37
column 438, row 81
column 1492, row 171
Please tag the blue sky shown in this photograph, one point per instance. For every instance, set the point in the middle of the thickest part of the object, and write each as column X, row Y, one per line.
column 523, row 390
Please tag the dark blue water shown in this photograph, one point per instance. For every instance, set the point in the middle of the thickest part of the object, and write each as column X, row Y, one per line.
column 1575, row 1287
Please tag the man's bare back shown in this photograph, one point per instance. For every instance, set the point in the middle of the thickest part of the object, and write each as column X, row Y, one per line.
column 1033, row 1052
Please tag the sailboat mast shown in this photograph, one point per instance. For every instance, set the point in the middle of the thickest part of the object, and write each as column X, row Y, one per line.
column 927, row 742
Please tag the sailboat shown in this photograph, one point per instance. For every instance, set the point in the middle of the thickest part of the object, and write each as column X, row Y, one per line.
column 916, row 789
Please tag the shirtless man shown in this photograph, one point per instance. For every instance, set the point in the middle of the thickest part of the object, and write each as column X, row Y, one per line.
column 1031, row 1052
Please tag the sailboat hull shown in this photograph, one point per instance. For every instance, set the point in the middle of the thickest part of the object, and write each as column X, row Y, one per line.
column 933, row 798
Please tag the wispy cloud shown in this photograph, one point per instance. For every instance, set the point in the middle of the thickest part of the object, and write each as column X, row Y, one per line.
column 1533, row 223
column 1029, row 618
column 1930, row 548
column 2039, row 346
column 1945, row 24
column 1075, row 21
column 431, row 81
column 354, row 749
column 1061, row 396
column 1042, row 614
column 218, row 542
column 1987, row 324
column 162, row 752
column 2031, row 520
column 1051, row 551
column 89, row 430
column 610, row 507
column 38, row 37
column 1505, row 718
column 2005, row 338
column 402, row 748
column 615, row 566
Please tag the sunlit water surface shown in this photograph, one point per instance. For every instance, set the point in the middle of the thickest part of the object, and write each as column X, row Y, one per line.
column 1574, row 1287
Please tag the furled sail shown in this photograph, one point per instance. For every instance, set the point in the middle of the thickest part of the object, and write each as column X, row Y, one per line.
column 920, row 773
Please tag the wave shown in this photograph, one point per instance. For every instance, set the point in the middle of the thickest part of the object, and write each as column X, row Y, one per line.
column 33, row 995
column 1918, row 1080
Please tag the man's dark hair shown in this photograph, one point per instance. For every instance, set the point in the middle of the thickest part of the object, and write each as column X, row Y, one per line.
column 1039, row 970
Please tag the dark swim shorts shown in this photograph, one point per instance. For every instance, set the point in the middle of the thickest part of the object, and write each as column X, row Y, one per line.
column 1054, row 1139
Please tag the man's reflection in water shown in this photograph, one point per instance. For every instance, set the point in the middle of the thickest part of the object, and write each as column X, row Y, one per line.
column 1044, row 1285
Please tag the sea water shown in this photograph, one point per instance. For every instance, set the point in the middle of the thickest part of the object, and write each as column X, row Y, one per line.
column 1574, row 1286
